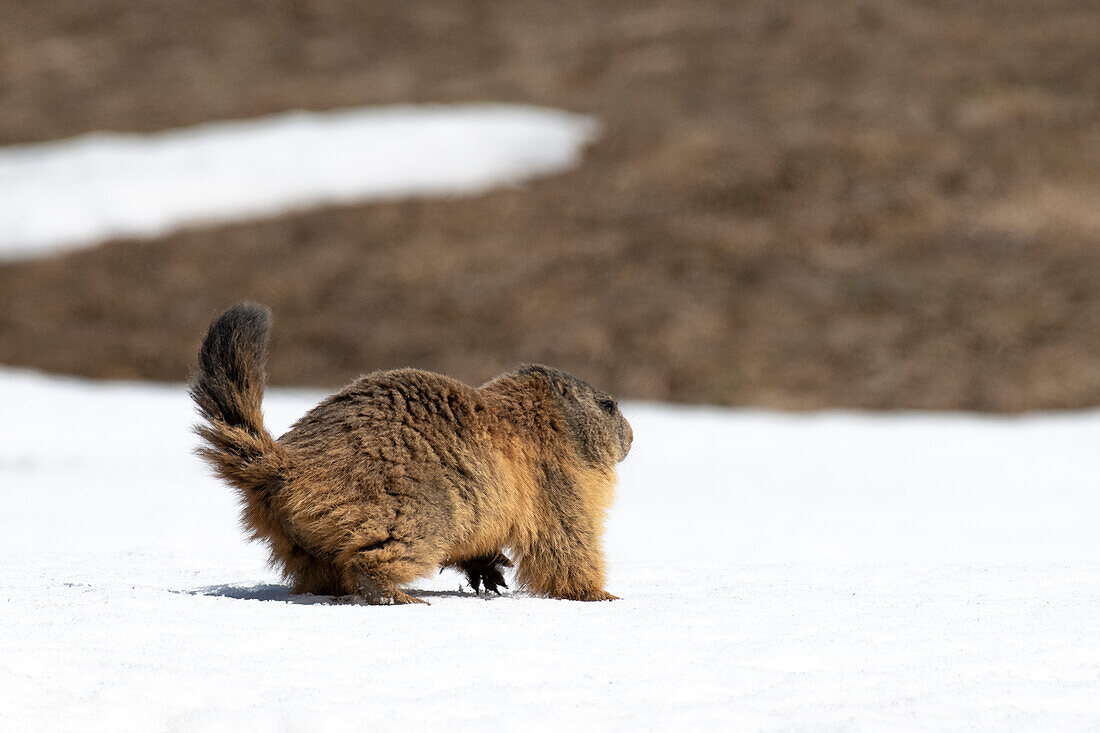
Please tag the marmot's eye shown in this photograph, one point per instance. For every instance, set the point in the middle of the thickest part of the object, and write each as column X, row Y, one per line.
column 608, row 406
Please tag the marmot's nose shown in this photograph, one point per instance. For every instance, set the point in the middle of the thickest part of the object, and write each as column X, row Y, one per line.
column 628, row 438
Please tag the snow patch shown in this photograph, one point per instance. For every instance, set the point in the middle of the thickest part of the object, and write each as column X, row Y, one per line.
column 72, row 193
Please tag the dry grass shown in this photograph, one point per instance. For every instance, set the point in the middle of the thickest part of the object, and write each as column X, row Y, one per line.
column 797, row 204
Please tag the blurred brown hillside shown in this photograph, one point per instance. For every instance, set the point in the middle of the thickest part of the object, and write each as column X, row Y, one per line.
column 877, row 204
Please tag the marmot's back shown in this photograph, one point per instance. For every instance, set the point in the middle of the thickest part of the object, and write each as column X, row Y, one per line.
column 400, row 406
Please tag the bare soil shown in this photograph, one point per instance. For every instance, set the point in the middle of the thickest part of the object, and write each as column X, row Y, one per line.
column 797, row 204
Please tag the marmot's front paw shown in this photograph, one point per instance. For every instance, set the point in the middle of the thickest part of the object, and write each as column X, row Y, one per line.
column 486, row 570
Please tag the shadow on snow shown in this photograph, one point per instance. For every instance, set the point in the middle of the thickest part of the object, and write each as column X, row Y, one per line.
column 274, row 592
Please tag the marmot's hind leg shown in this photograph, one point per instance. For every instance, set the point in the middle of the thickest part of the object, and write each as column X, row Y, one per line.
column 378, row 596
column 377, row 571
column 316, row 577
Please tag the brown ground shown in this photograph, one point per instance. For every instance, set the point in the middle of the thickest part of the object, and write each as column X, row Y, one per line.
column 797, row 204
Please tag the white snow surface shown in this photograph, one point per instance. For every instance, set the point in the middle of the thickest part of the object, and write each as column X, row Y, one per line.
column 777, row 572
column 71, row 193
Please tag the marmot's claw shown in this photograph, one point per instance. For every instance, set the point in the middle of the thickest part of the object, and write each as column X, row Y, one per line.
column 486, row 570
column 493, row 580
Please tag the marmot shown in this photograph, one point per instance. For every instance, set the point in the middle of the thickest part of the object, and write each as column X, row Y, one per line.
column 404, row 471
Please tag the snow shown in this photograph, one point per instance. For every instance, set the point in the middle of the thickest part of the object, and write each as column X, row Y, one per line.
column 816, row 572
column 72, row 193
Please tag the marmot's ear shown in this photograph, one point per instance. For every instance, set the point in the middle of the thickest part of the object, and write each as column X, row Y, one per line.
column 528, row 368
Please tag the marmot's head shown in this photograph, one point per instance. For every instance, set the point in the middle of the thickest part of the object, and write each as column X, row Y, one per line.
column 601, row 432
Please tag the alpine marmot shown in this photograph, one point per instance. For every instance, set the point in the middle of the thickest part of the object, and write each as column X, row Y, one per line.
column 404, row 471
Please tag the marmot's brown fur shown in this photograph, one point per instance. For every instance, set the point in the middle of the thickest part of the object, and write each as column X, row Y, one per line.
column 404, row 471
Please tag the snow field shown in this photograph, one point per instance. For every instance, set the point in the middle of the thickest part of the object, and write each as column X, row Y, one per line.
column 778, row 572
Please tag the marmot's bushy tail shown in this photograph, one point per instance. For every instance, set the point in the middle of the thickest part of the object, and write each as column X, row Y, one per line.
column 228, row 388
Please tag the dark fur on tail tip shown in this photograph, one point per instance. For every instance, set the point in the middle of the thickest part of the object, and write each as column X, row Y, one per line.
column 229, row 384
